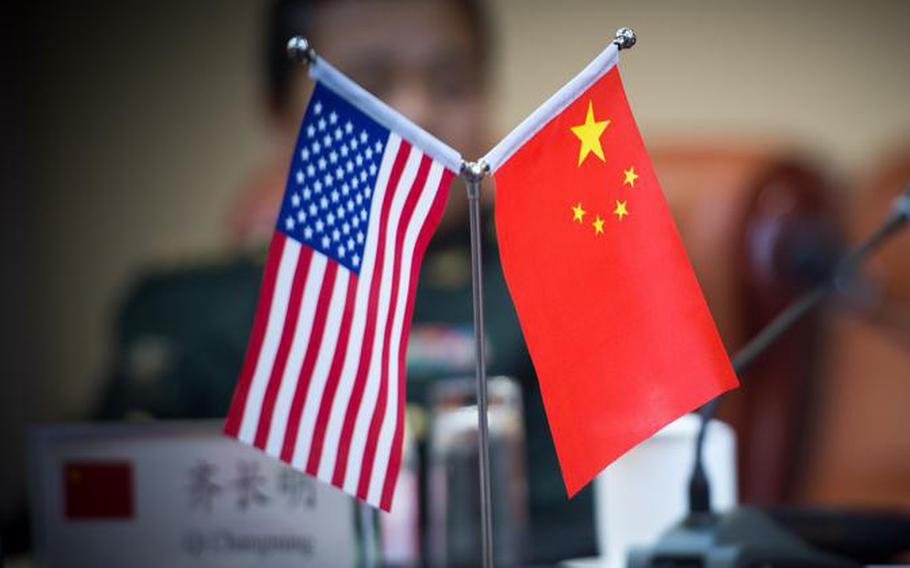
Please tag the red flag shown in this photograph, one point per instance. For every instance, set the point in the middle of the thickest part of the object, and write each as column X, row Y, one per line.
column 98, row 490
column 616, row 324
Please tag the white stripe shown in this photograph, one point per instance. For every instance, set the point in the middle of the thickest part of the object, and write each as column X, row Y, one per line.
column 291, row 374
column 266, row 357
column 358, row 323
column 370, row 392
column 530, row 126
column 321, row 369
column 387, row 432
column 384, row 114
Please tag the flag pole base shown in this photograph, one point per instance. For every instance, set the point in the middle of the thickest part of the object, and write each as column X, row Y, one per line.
column 473, row 174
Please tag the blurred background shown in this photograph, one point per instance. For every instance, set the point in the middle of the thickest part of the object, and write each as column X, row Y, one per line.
column 130, row 128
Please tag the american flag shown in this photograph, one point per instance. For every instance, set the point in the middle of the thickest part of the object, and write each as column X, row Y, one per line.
column 323, row 384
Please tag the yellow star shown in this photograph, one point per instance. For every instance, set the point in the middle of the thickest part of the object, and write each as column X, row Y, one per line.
column 598, row 225
column 578, row 213
column 621, row 210
column 589, row 134
column 631, row 176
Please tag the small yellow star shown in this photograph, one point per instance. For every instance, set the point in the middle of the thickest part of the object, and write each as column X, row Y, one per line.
column 578, row 213
column 598, row 225
column 621, row 210
column 589, row 133
column 631, row 176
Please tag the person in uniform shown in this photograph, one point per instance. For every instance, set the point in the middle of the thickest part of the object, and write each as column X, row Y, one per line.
column 181, row 333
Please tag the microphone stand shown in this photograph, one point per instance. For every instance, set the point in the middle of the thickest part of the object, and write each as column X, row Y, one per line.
column 745, row 536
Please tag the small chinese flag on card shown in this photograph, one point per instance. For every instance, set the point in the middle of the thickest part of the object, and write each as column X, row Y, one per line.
column 620, row 335
column 98, row 490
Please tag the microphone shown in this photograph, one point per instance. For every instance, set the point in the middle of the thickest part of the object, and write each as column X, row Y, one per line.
column 699, row 485
column 746, row 536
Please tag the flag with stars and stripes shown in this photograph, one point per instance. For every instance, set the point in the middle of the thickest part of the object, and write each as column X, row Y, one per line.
column 322, row 386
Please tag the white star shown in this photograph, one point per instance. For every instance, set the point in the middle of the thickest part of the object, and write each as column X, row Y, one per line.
column 313, row 209
column 363, row 214
column 350, row 244
column 334, row 196
column 345, row 189
column 358, row 198
column 364, row 137
column 339, row 172
column 328, row 179
column 344, row 151
column 326, row 242
column 359, row 160
column 330, row 219
column 336, row 235
column 348, row 127
column 333, row 156
column 319, row 226
column 289, row 223
column 315, row 147
column 341, row 251
column 304, row 154
column 356, row 260
column 321, row 124
column 310, row 131
column 317, row 108
column 367, row 191
column 359, row 237
column 299, row 176
column 301, row 216
column 349, row 166
column 333, row 118
column 338, row 134
column 307, row 193
column 326, row 140
column 311, row 170
column 354, row 144
column 307, row 233
column 372, row 169
column 346, row 228
column 378, row 146
column 295, row 200
column 340, row 211
column 317, row 185
column 368, row 153
column 322, row 164
column 363, row 175
column 355, row 221
column 323, row 202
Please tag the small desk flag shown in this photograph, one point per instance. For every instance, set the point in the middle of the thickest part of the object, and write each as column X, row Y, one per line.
column 618, row 330
column 322, row 386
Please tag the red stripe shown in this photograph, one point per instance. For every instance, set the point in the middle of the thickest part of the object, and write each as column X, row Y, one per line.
column 267, row 292
column 309, row 361
column 284, row 347
column 429, row 227
column 344, row 442
column 331, row 386
column 404, row 220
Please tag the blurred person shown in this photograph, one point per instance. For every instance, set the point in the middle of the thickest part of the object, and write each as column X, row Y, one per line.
column 181, row 334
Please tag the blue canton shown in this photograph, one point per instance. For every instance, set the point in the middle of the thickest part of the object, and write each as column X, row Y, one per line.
column 332, row 179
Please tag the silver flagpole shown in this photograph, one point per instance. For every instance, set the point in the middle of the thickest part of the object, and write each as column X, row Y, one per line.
column 473, row 173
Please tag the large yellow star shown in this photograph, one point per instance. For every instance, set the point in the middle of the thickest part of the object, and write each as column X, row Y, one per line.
column 631, row 176
column 621, row 210
column 598, row 225
column 589, row 133
column 578, row 213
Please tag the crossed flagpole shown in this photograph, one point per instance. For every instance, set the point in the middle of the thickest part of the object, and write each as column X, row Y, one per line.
column 473, row 173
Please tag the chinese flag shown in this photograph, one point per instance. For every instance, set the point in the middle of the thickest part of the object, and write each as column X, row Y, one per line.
column 616, row 324
column 98, row 490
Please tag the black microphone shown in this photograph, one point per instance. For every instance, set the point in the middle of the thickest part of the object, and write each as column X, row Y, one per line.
column 699, row 485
